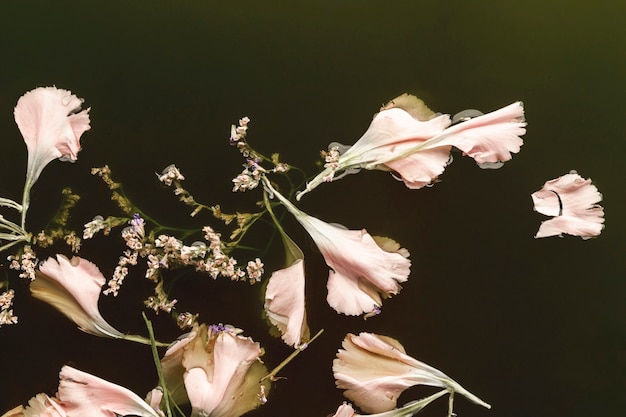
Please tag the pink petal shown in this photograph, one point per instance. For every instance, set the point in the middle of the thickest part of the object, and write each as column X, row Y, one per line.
column 285, row 303
column 92, row 396
column 421, row 168
column 51, row 124
column 73, row 287
column 573, row 201
column 489, row 138
column 362, row 272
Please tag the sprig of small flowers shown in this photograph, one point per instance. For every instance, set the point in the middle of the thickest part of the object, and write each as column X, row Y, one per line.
column 167, row 251
column 252, row 172
column 6, row 312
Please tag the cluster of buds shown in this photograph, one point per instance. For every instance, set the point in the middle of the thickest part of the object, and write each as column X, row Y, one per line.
column 238, row 135
column 251, row 175
column 171, row 176
column 6, row 312
column 168, row 252
column 26, row 261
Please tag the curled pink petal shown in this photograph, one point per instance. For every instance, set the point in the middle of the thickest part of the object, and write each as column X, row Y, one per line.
column 285, row 303
column 573, row 201
column 489, row 138
column 91, row 396
column 51, row 122
column 73, row 287
column 284, row 296
column 420, row 169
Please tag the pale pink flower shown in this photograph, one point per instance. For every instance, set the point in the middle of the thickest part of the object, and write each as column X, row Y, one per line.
column 408, row 138
column 87, row 395
column 362, row 272
column 220, row 370
column 573, row 201
column 73, row 287
column 284, row 297
column 374, row 370
column 51, row 122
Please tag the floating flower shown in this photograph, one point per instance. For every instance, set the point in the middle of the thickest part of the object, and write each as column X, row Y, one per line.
column 573, row 201
column 362, row 272
column 51, row 122
column 374, row 370
column 284, row 297
column 88, row 395
column 220, row 369
column 408, row 138
column 73, row 286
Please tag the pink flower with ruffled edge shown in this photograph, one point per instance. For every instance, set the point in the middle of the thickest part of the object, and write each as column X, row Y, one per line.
column 220, row 370
column 573, row 201
column 87, row 395
column 408, row 138
column 374, row 370
column 51, row 122
column 73, row 286
column 363, row 272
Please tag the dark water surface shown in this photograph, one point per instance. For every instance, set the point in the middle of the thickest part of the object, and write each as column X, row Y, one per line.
column 535, row 327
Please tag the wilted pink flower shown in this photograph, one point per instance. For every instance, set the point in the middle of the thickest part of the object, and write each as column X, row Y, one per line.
column 374, row 370
column 362, row 271
column 408, row 138
column 73, row 287
column 572, row 200
column 220, row 369
column 284, row 297
column 51, row 122
column 87, row 395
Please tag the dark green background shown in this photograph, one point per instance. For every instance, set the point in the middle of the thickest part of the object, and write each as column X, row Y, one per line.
column 535, row 327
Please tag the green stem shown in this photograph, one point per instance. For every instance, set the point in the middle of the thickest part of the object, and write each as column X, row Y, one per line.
column 157, row 364
column 26, row 198
column 272, row 375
